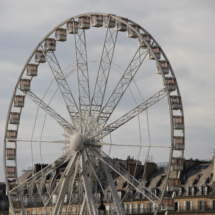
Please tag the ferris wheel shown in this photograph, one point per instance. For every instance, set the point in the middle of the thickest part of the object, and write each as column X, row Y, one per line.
column 90, row 77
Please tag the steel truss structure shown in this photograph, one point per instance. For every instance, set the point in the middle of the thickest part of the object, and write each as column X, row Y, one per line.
column 85, row 175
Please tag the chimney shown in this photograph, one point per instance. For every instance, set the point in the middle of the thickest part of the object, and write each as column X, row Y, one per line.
column 189, row 163
column 149, row 167
column 213, row 168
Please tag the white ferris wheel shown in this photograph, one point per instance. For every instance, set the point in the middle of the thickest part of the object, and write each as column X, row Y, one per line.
column 92, row 84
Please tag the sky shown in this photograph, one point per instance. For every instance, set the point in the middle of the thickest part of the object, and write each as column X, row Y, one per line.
column 184, row 29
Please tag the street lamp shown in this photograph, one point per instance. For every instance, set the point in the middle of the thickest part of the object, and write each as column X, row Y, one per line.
column 102, row 209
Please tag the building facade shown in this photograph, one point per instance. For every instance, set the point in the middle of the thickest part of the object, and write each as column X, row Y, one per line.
column 4, row 204
column 195, row 190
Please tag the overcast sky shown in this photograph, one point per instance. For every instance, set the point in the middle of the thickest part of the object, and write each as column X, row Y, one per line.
column 184, row 29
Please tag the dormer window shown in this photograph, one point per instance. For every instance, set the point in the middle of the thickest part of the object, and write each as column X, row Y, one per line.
column 180, row 191
column 119, row 194
column 155, row 191
column 148, row 182
column 139, row 196
column 130, row 194
column 125, row 184
column 191, row 191
column 204, row 190
column 207, row 180
column 116, row 182
column 160, row 181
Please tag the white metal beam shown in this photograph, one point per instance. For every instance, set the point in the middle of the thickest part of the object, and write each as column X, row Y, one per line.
column 61, row 121
column 134, row 182
column 119, row 208
column 88, row 191
column 104, row 69
column 122, row 86
column 64, row 184
column 130, row 114
column 62, row 85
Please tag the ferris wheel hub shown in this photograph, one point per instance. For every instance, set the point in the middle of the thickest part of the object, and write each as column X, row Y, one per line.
column 76, row 142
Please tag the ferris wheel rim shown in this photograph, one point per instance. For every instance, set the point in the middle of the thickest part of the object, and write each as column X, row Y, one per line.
column 89, row 14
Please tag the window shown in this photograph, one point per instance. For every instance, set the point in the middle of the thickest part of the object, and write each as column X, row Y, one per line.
column 188, row 206
column 66, row 198
column 130, row 194
column 108, row 208
column 139, row 208
column 63, row 211
column 201, row 205
column 139, row 196
column 125, row 184
column 148, row 182
column 74, row 210
column 180, row 191
column 191, row 191
column 34, row 211
column 204, row 190
column 108, row 196
column 45, row 198
column 98, row 197
column 119, row 194
column 116, row 183
column 176, row 206
column 25, row 201
column 44, row 190
column 150, row 207
column 128, row 208
column 213, row 204
column 43, row 211
column 160, row 181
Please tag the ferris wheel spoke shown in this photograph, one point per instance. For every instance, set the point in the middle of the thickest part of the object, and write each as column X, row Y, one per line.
column 83, row 207
column 104, row 69
column 82, row 71
column 72, row 185
column 64, row 184
column 69, row 70
column 123, row 173
column 130, row 114
column 62, row 85
column 43, row 172
column 122, row 86
column 116, row 200
column 40, row 141
column 115, row 144
column 88, row 192
column 61, row 121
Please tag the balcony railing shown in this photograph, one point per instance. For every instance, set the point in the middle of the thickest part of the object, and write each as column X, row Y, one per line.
column 33, row 204
column 196, row 208
column 40, row 203
column 4, row 207
column 145, row 211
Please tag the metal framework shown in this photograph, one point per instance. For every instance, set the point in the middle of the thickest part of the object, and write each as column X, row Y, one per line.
column 104, row 69
column 130, row 114
column 82, row 70
column 84, row 175
column 122, row 86
column 62, row 85
column 63, row 123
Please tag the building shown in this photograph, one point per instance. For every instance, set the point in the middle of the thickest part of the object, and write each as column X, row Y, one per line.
column 4, row 204
column 195, row 189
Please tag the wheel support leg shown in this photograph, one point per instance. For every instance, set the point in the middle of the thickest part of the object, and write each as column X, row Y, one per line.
column 88, row 192
column 64, row 186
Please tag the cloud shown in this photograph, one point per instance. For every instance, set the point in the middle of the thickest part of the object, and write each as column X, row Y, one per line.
column 185, row 32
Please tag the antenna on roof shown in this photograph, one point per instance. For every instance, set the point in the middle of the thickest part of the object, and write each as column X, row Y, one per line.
column 149, row 158
column 213, row 152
